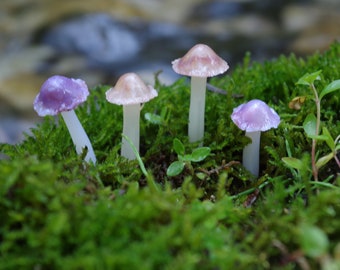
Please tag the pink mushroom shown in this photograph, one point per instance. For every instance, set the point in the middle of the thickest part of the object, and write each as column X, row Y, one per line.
column 130, row 91
column 254, row 117
column 199, row 63
column 60, row 94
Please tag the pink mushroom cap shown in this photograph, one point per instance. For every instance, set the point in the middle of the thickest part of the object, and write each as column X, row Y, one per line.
column 255, row 115
column 200, row 61
column 58, row 94
column 130, row 89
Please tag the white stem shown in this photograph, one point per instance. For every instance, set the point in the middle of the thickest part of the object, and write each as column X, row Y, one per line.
column 78, row 135
column 251, row 153
column 197, row 108
column 131, row 115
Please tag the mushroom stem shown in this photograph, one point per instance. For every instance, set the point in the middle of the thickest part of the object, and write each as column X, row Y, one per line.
column 131, row 115
column 78, row 135
column 197, row 108
column 251, row 153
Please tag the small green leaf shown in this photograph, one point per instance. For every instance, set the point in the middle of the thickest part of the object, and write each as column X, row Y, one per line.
column 333, row 86
column 324, row 160
column 185, row 158
column 309, row 78
column 201, row 176
column 309, row 125
column 318, row 137
column 314, row 241
column 330, row 141
column 153, row 118
column 326, row 136
column 293, row 163
column 178, row 147
column 175, row 168
column 200, row 154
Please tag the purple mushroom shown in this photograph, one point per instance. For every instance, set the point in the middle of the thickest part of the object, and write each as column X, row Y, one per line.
column 254, row 117
column 199, row 63
column 60, row 94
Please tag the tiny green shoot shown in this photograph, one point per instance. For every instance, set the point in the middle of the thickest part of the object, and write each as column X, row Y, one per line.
column 139, row 159
column 184, row 160
column 312, row 124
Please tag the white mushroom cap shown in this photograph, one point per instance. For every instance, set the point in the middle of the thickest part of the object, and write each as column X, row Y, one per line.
column 255, row 115
column 200, row 61
column 130, row 89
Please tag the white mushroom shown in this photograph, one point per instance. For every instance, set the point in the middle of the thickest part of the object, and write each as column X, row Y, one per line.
column 130, row 91
column 199, row 63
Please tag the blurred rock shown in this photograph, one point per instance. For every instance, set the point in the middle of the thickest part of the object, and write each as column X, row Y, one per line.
column 216, row 10
column 29, row 59
column 299, row 17
column 314, row 39
column 174, row 11
column 19, row 91
column 250, row 25
column 315, row 27
column 97, row 36
column 328, row 2
column 13, row 129
column 19, row 77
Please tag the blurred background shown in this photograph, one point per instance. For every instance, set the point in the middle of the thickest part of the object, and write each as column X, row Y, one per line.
column 99, row 40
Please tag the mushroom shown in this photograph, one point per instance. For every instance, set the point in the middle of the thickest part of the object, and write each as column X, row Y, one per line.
column 253, row 117
column 130, row 91
column 60, row 94
column 199, row 63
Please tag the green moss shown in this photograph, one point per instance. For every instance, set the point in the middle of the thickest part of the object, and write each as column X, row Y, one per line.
column 58, row 213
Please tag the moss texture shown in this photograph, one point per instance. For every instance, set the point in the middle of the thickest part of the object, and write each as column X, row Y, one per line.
column 58, row 213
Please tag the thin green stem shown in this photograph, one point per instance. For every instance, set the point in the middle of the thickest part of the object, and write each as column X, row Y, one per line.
column 135, row 151
column 317, row 130
column 335, row 151
column 337, row 160
column 262, row 185
column 323, row 184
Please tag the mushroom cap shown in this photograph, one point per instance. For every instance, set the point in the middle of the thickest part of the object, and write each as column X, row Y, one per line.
column 200, row 61
column 255, row 115
column 58, row 94
column 130, row 89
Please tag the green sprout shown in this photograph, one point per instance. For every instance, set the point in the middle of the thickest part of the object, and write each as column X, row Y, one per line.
column 197, row 155
column 312, row 124
column 135, row 151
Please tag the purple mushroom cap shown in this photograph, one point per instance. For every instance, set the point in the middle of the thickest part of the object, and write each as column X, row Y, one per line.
column 58, row 94
column 255, row 115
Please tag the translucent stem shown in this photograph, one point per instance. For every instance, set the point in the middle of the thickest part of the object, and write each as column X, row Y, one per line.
column 251, row 153
column 197, row 108
column 131, row 115
column 78, row 135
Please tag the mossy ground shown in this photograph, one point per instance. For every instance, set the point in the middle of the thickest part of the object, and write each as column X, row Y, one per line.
column 58, row 213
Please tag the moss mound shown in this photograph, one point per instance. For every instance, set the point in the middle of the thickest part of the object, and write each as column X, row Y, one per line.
column 58, row 213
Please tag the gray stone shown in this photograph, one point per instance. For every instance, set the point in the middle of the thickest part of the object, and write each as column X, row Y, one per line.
column 97, row 36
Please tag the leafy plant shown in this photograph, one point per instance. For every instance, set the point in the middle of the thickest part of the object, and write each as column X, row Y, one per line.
column 311, row 126
column 197, row 155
